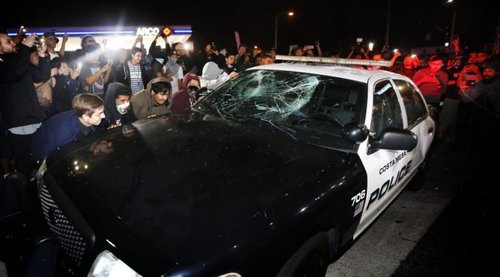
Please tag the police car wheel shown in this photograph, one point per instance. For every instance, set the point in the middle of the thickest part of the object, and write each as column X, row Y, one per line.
column 311, row 259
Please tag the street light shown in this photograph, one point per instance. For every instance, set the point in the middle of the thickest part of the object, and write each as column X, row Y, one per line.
column 452, row 30
column 276, row 30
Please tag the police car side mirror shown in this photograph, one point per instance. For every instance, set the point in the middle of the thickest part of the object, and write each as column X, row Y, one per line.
column 355, row 132
column 395, row 139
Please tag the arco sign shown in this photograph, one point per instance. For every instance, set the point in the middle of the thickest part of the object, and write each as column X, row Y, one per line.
column 147, row 31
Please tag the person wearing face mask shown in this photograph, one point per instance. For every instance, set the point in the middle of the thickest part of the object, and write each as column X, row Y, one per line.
column 117, row 105
column 184, row 99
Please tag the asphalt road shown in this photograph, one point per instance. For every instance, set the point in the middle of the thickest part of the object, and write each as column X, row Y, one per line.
column 443, row 229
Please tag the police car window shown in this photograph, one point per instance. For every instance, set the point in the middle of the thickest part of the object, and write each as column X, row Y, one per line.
column 338, row 100
column 414, row 104
column 310, row 107
column 386, row 110
column 276, row 95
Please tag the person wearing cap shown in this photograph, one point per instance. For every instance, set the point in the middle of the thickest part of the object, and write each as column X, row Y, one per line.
column 154, row 100
column 51, row 42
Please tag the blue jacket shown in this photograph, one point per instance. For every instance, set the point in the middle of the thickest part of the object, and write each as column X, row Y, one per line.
column 55, row 132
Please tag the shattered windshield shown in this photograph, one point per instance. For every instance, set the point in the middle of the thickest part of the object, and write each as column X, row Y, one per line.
column 295, row 102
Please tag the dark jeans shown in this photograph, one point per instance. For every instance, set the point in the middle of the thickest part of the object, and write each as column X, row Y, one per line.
column 20, row 147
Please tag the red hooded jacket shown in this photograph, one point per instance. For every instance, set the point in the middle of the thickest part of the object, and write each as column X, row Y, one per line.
column 180, row 101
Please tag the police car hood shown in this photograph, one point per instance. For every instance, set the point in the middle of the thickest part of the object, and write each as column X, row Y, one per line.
column 187, row 188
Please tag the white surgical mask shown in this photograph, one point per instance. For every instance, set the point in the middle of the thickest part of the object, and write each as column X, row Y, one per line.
column 122, row 108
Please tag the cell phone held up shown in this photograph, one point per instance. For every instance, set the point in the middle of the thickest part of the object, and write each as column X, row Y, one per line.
column 470, row 83
column 39, row 41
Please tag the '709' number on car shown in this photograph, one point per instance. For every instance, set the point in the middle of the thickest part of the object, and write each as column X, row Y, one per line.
column 358, row 197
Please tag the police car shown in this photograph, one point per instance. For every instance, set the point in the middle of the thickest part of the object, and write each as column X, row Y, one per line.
column 269, row 175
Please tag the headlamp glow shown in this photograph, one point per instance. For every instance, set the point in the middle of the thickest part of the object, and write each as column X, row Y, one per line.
column 108, row 265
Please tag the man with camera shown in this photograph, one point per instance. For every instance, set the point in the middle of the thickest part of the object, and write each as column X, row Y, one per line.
column 485, row 92
column 21, row 111
column 479, row 111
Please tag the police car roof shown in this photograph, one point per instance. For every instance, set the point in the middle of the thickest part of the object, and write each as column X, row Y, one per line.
column 344, row 72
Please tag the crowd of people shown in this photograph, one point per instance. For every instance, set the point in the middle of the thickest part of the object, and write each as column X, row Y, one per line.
column 50, row 98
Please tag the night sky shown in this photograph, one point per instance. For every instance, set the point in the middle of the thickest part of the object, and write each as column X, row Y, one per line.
column 414, row 23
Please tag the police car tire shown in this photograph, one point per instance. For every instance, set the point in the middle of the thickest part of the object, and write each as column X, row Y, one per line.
column 311, row 259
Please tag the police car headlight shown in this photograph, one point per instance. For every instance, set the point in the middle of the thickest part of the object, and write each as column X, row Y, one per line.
column 108, row 265
column 231, row 274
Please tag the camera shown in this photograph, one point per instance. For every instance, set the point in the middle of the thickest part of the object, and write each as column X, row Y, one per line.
column 22, row 31
column 470, row 78
column 39, row 41
column 470, row 82
column 193, row 92
column 358, row 47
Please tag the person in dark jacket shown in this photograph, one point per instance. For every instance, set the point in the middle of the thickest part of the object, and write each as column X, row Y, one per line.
column 117, row 105
column 62, row 128
column 133, row 73
column 66, row 88
column 21, row 111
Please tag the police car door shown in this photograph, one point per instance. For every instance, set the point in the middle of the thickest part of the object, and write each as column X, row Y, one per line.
column 386, row 169
column 417, row 118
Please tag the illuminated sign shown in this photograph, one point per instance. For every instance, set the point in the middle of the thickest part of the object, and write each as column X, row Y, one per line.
column 112, row 37
column 165, row 32
column 147, row 31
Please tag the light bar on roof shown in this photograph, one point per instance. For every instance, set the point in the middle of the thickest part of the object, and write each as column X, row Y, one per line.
column 332, row 60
